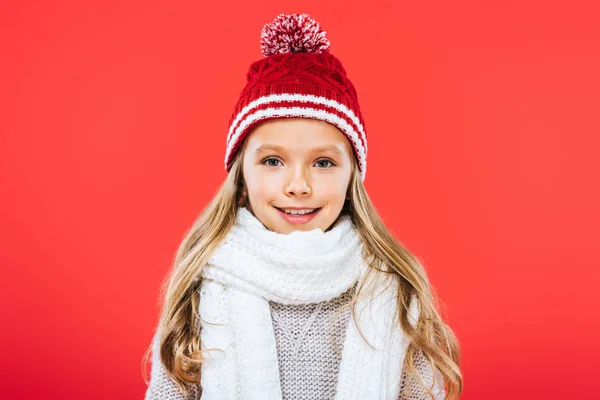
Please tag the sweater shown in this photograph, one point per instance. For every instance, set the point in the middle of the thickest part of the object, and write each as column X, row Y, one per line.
column 309, row 339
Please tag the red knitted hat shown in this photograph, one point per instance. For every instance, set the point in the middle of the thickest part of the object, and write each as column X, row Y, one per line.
column 298, row 77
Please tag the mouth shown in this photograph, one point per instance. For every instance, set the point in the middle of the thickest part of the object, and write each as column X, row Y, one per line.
column 298, row 215
column 298, row 211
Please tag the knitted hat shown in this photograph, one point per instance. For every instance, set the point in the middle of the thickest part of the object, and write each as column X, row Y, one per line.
column 297, row 77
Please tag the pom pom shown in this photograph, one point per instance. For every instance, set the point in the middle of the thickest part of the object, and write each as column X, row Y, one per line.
column 293, row 33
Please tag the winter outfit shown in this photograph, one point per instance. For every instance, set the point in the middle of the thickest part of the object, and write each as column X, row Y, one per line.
column 275, row 309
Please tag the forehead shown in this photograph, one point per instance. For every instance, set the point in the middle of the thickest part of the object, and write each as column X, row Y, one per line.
column 297, row 134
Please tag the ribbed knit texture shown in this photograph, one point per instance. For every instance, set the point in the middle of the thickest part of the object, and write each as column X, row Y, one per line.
column 307, row 336
column 310, row 339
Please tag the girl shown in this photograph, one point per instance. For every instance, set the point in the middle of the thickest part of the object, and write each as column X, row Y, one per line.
column 289, row 285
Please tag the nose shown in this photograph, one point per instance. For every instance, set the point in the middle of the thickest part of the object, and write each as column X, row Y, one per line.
column 299, row 183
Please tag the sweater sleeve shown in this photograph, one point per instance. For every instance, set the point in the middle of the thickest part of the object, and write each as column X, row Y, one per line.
column 161, row 386
column 410, row 389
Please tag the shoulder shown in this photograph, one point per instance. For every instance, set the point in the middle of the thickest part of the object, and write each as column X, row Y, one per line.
column 384, row 284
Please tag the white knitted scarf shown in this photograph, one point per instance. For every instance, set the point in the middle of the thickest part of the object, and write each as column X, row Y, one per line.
column 254, row 266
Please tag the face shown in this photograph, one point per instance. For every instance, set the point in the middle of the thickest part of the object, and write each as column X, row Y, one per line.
column 296, row 173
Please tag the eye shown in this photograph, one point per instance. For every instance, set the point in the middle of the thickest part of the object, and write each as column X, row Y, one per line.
column 271, row 162
column 324, row 163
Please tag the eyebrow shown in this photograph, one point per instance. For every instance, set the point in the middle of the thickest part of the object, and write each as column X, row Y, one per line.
column 271, row 147
column 268, row 147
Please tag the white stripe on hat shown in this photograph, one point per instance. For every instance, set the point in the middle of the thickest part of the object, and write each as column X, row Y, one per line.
column 275, row 98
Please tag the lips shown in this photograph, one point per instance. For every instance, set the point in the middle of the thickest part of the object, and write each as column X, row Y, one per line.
column 298, row 211
column 294, row 216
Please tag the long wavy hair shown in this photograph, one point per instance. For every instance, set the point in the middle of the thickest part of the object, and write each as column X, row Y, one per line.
column 179, row 325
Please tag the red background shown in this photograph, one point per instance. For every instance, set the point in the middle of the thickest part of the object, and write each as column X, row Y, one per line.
column 483, row 159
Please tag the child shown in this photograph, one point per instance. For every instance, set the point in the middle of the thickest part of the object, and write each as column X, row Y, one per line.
column 289, row 285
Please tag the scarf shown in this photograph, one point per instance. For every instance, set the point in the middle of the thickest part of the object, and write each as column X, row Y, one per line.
column 253, row 266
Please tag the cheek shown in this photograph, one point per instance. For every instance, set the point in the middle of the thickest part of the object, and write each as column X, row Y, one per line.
column 261, row 188
column 332, row 190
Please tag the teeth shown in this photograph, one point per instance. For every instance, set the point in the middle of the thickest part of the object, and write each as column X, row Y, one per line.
column 298, row 212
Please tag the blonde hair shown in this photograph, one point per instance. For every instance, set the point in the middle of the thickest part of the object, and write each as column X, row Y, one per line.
column 179, row 325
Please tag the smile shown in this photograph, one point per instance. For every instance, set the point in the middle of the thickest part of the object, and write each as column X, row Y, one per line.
column 298, row 215
column 298, row 211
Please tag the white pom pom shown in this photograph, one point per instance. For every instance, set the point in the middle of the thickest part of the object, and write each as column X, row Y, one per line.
column 295, row 33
